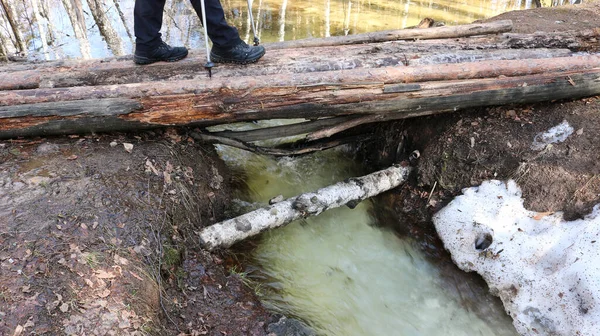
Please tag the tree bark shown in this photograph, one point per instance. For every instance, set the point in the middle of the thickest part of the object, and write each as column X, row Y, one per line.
column 322, row 99
column 42, row 32
column 293, row 61
column 349, row 192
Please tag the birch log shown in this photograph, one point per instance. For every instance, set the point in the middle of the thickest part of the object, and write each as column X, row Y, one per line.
column 349, row 192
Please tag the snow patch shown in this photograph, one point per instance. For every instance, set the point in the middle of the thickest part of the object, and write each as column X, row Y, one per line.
column 546, row 270
column 558, row 133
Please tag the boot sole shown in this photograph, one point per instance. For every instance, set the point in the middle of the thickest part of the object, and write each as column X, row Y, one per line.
column 219, row 59
column 145, row 60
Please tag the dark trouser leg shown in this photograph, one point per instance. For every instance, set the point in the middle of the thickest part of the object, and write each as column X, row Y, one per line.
column 220, row 33
column 147, row 20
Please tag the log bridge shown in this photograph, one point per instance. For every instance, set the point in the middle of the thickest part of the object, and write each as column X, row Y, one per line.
column 334, row 84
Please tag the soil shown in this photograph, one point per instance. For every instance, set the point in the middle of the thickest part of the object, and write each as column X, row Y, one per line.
column 98, row 240
column 102, row 240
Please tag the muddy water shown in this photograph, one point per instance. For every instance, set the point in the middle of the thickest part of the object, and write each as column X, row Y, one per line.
column 340, row 272
column 51, row 33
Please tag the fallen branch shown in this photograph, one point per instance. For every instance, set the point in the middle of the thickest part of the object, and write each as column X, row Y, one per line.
column 474, row 29
column 296, row 149
column 350, row 192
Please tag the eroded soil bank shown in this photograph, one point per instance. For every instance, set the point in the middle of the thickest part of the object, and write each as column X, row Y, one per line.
column 99, row 239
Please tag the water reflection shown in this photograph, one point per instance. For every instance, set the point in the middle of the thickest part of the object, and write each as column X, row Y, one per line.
column 55, row 29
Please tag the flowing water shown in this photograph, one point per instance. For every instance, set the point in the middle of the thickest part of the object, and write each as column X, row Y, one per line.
column 342, row 273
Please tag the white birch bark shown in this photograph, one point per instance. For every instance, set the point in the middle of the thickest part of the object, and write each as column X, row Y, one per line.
column 350, row 192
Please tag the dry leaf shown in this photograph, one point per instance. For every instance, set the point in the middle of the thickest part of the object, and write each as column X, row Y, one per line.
column 89, row 282
column 104, row 293
column 136, row 276
column 26, row 289
column 150, row 167
column 128, row 147
column 120, row 260
column 18, row 330
column 104, row 275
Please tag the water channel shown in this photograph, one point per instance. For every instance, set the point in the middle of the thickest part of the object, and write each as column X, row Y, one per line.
column 341, row 273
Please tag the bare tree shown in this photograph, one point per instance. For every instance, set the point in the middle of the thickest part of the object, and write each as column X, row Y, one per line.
column 106, row 29
column 282, row 20
column 35, row 6
column 11, row 16
column 74, row 10
column 127, row 30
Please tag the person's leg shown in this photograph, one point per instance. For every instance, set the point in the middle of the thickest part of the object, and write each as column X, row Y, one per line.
column 227, row 45
column 147, row 20
column 220, row 33
column 149, row 47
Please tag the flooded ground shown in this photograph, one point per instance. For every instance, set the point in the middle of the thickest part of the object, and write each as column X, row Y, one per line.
column 57, row 29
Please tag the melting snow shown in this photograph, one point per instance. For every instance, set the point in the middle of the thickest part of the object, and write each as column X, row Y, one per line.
column 546, row 270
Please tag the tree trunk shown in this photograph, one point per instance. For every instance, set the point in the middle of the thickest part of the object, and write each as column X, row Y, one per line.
column 247, row 99
column 292, row 61
column 349, row 192
column 106, row 29
column 74, row 10
column 41, row 31
column 13, row 20
column 402, row 34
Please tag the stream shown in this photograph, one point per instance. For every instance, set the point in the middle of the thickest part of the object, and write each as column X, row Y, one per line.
column 340, row 272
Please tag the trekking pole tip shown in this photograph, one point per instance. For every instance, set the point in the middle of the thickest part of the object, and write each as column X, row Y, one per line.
column 208, row 66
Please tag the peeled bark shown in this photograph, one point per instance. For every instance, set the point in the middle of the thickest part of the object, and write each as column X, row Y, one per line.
column 202, row 107
column 351, row 192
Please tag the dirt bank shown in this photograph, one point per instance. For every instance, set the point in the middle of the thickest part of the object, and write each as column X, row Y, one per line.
column 100, row 239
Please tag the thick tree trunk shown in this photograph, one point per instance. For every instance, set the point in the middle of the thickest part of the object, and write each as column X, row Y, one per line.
column 246, row 99
column 349, row 192
column 280, row 62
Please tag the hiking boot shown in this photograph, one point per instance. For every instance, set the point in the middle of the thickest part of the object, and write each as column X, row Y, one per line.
column 163, row 52
column 241, row 53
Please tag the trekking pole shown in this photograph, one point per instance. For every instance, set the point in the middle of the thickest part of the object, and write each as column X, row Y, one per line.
column 256, row 40
column 209, row 65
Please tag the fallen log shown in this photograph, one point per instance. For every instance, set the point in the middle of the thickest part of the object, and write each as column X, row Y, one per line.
column 402, row 92
column 474, row 29
column 351, row 192
column 276, row 62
